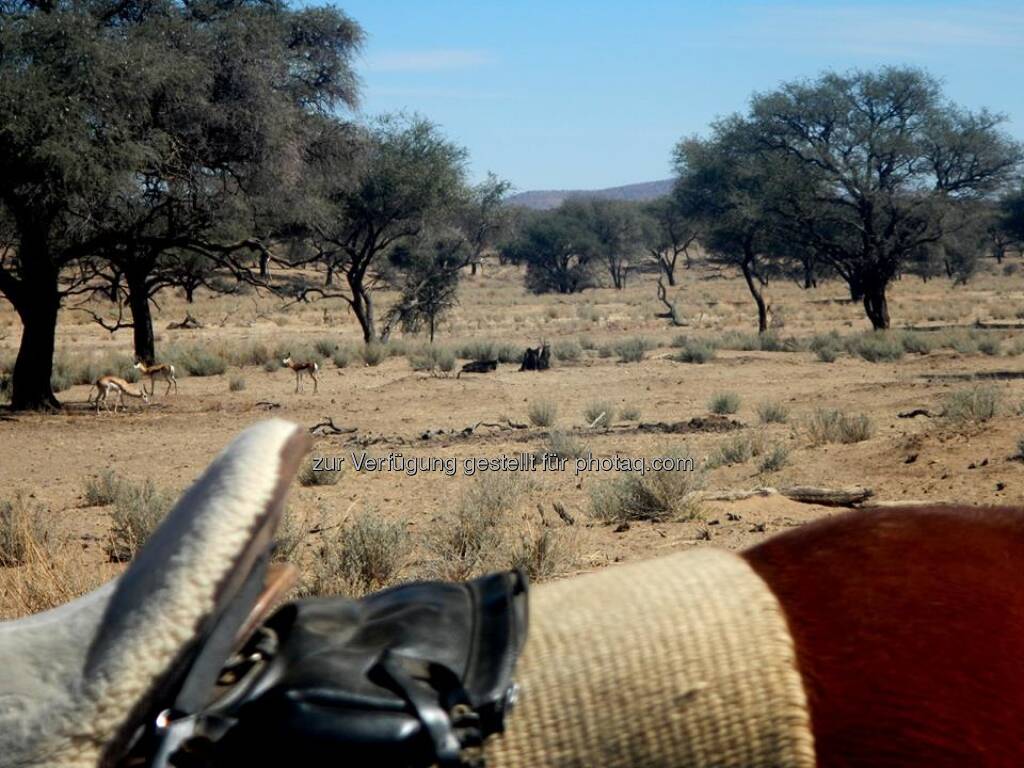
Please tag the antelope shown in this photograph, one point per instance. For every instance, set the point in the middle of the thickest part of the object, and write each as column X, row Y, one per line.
column 107, row 384
column 300, row 368
column 163, row 371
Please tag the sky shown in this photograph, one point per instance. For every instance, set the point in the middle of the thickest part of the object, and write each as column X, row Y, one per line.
column 574, row 94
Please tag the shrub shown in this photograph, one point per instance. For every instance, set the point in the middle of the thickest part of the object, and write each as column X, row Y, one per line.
column 342, row 356
column 876, row 347
column 102, row 490
column 479, row 350
column 433, row 358
column 542, row 413
column 543, row 552
column 200, row 362
column 236, row 383
column 138, row 510
column 830, row 340
column 567, row 351
column 774, row 460
column 632, row 350
column 694, row 351
column 565, row 446
column 738, row 449
column 827, row 354
column 724, row 403
column 360, row 557
column 321, row 470
column 976, row 405
column 630, row 413
column 989, row 346
column 271, row 365
column 599, row 414
column 473, row 536
column 654, row 495
column 326, row 347
column 828, row 425
column 374, row 354
column 916, row 343
column 24, row 534
column 772, row 412
column 964, row 344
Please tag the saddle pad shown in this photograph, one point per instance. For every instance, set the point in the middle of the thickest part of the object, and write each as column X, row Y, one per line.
column 684, row 660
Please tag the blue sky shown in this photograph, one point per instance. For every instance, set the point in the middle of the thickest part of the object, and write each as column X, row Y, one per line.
column 574, row 94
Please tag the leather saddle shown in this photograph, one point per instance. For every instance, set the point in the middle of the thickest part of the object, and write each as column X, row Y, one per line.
column 80, row 680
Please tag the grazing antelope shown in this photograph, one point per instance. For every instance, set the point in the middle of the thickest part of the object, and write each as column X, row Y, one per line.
column 300, row 368
column 107, row 384
column 163, row 371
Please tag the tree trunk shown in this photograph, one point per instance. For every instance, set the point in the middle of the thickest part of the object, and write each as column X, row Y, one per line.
column 190, row 292
column 473, row 266
column 809, row 279
column 755, row 291
column 362, row 307
column 32, row 390
column 432, row 327
column 876, row 306
column 142, row 317
column 668, row 266
column 264, row 264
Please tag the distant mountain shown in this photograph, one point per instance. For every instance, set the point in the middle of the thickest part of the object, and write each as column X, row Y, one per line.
column 544, row 199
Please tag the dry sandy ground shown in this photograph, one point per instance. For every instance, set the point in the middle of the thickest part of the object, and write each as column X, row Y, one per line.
column 51, row 456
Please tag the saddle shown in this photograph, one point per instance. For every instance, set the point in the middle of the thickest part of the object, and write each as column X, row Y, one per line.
column 175, row 663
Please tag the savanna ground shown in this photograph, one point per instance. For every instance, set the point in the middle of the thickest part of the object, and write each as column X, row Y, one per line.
column 413, row 526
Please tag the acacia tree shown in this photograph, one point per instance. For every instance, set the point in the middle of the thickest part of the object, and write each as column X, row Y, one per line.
column 726, row 189
column 556, row 249
column 668, row 234
column 484, row 218
column 404, row 176
column 891, row 162
column 111, row 108
column 427, row 276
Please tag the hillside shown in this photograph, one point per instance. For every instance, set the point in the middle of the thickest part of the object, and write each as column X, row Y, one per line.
column 544, row 199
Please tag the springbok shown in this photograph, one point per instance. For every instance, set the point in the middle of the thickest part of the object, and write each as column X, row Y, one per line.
column 156, row 371
column 312, row 369
column 883, row 638
column 105, row 385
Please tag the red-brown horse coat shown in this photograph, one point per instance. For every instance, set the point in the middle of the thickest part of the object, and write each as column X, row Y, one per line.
column 909, row 631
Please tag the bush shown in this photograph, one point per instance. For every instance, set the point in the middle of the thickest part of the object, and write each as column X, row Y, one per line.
column 542, row 413
column 916, row 343
column 543, row 552
column 565, row 446
column 271, row 365
column 774, row 460
column 321, row 470
column 976, row 405
column 474, row 535
column 433, row 358
column 362, row 556
column 630, row 413
column 325, row 347
column 694, row 351
column 24, row 534
column 876, row 347
column 827, row 354
column 772, row 412
column 724, row 403
column 567, row 351
column 827, row 425
column 374, row 354
column 203, row 363
column 654, row 495
column 989, row 346
column 138, row 510
column 602, row 410
column 738, row 449
column 236, row 383
column 342, row 356
column 632, row 350
column 480, row 350
column 102, row 491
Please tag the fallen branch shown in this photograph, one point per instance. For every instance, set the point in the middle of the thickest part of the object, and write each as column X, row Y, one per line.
column 805, row 494
column 914, row 412
column 328, row 427
column 268, row 404
column 188, row 323
column 562, row 513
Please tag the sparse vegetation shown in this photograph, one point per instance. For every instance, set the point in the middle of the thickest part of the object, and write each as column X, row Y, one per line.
column 632, row 350
column 236, row 383
column 374, row 354
column 772, row 412
column 102, row 490
column 738, row 449
column 138, row 510
column 361, row 556
column 543, row 551
column 599, row 414
column 877, row 347
column 542, row 413
column 695, row 351
column 971, row 406
column 828, row 425
column 654, row 495
column 724, row 403
column 774, row 459
column 321, row 470
column 24, row 535
column 565, row 446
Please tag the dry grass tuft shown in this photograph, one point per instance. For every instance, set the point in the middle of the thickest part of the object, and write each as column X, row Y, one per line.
column 24, row 535
column 362, row 556
column 655, row 495
column 138, row 510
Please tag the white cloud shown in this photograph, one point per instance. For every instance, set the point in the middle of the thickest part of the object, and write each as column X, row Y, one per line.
column 883, row 30
column 427, row 61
